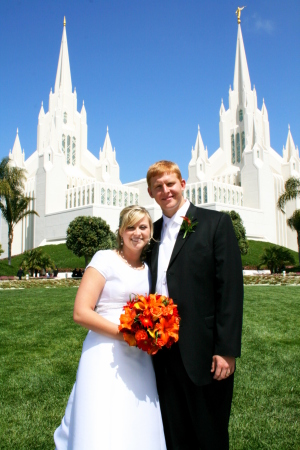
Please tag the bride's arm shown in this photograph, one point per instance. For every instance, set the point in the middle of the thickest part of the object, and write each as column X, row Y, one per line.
column 90, row 288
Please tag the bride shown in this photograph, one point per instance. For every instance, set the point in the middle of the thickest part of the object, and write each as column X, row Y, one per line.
column 114, row 403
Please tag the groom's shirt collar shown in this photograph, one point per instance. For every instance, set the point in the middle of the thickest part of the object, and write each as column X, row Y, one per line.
column 177, row 217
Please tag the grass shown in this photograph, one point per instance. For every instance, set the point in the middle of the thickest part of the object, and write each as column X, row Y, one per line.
column 41, row 347
column 64, row 258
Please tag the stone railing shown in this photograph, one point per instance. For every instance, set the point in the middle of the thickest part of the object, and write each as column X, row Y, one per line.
column 214, row 192
column 103, row 194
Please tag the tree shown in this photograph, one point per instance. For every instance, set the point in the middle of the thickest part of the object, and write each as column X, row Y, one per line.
column 86, row 235
column 37, row 259
column 294, row 223
column 14, row 205
column 291, row 191
column 240, row 231
column 1, row 249
column 276, row 258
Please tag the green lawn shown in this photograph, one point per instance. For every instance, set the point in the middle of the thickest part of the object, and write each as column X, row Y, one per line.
column 41, row 346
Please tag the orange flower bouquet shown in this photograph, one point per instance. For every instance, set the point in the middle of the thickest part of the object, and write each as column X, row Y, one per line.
column 150, row 322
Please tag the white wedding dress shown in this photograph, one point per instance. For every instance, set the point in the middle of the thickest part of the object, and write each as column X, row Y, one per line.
column 114, row 403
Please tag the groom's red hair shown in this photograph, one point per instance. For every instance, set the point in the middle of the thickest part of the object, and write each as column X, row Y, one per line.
column 161, row 167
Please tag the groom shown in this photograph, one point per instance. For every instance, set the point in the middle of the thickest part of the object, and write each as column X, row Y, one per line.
column 198, row 264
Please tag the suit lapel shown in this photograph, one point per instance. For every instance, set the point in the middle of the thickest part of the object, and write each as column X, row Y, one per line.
column 180, row 241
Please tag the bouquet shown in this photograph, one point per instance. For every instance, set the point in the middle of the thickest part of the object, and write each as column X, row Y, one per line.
column 150, row 322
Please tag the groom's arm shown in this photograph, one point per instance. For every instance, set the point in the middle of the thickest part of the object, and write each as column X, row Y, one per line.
column 229, row 297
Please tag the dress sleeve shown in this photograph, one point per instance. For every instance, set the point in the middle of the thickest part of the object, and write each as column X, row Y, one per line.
column 101, row 261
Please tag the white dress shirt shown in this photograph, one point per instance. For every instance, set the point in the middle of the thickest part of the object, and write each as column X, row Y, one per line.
column 169, row 233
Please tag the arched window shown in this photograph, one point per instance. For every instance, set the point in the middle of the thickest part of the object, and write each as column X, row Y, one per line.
column 93, row 194
column 220, row 195
column 68, row 149
column 240, row 115
column 66, row 201
column 188, row 194
column 73, row 151
column 88, row 196
column 243, row 141
column 238, row 147
column 125, row 198
column 120, row 198
column 215, row 194
column 115, row 197
column 108, row 197
column 74, row 200
column 232, row 149
column 131, row 198
column 199, row 195
column 102, row 196
column 78, row 196
column 70, row 201
column 63, row 143
column 205, row 194
column 136, row 199
column 83, row 197
column 65, row 117
column 193, row 196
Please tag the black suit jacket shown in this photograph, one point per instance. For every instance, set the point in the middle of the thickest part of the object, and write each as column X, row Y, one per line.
column 205, row 280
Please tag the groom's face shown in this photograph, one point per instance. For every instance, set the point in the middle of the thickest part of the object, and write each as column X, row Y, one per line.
column 167, row 191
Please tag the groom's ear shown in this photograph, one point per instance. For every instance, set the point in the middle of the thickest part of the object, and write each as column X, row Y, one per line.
column 150, row 193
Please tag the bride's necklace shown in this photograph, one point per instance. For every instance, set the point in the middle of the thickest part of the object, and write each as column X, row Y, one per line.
column 120, row 252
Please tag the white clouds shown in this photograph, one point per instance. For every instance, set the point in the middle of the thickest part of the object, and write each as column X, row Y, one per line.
column 263, row 24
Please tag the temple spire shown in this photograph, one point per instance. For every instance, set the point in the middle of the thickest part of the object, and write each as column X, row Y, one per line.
column 241, row 73
column 63, row 80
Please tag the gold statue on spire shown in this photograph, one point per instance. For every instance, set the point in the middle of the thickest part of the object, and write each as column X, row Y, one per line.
column 65, row 23
column 238, row 13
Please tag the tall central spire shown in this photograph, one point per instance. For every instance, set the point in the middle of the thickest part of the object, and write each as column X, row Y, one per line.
column 241, row 72
column 63, row 80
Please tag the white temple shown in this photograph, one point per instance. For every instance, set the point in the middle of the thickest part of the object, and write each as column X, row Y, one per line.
column 66, row 180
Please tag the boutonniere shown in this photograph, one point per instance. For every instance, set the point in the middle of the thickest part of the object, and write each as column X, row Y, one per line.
column 187, row 225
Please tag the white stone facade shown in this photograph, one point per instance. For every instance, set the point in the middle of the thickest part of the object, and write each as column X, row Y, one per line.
column 67, row 180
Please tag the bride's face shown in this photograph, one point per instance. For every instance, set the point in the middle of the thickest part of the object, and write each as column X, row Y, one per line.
column 137, row 235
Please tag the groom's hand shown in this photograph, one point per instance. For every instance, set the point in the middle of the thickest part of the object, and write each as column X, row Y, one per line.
column 222, row 366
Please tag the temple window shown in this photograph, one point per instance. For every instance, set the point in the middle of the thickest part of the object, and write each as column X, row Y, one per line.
column 136, row 199
column 74, row 200
column 120, row 198
column 88, row 196
column 188, row 194
column 220, row 194
column 78, row 196
column 232, row 149
column 68, row 149
column 83, row 197
column 205, row 194
column 240, row 115
column 215, row 194
column 238, row 147
column 233, row 198
column 66, row 201
column 125, row 198
column 108, row 196
column 102, row 196
column 73, row 151
column 243, row 141
column 65, row 117
column 131, row 198
column 93, row 194
column 199, row 195
column 193, row 196
column 70, row 201
column 114, row 197
column 63, row 143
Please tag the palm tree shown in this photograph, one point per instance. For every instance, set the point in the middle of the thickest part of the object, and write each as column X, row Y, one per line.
column 294, row 223
column 13, row 203
column 276, row 258
column 291, row 191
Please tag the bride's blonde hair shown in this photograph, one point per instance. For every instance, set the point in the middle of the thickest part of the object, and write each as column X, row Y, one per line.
column 130, row 216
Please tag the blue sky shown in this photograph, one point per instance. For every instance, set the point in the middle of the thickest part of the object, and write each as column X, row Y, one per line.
column 150, row 70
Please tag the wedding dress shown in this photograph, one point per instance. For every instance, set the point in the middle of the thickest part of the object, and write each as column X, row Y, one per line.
column 114, row 403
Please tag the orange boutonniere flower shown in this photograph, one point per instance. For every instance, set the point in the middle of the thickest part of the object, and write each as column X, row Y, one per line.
column 187, row 225
column 150, row 322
